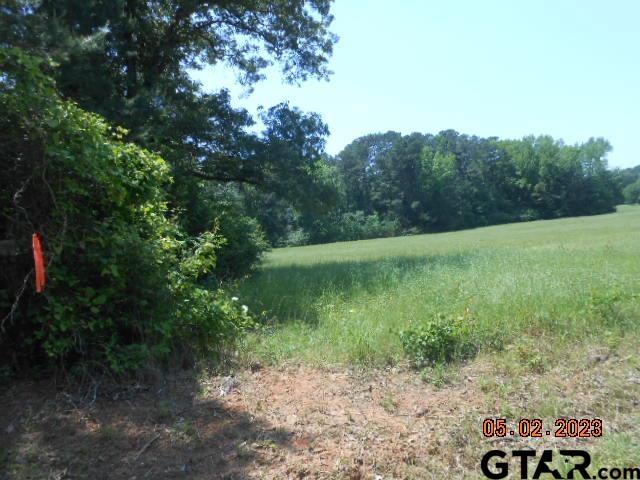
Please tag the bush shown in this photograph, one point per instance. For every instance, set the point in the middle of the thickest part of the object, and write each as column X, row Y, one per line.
column 358, row 226
column 206, row 206
column 124, row 281
column 430, row 343
column 529, row 215
column 440, row 340
column 295, row 238
column 244, row 244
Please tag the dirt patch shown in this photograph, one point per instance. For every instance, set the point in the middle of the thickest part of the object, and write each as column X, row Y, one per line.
column 353, row 425
column 271, row 423
column 289, row 423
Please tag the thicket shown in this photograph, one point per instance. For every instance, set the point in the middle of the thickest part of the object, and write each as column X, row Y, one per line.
column 124, row 280
column 143, row 224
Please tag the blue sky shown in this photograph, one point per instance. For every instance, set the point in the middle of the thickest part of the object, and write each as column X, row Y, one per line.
column 502, row 68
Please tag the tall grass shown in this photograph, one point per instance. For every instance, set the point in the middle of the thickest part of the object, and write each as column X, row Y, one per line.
column 347, row 302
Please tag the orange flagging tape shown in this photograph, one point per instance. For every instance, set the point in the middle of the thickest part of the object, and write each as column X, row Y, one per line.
column 38, row 258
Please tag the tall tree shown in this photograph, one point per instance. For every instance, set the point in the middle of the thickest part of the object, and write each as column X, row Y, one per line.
column 128, row 60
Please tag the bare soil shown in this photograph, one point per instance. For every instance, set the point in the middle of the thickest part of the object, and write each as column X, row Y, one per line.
column 294, row 422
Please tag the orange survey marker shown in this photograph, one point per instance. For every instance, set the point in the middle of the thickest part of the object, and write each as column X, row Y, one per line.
column 38, row 258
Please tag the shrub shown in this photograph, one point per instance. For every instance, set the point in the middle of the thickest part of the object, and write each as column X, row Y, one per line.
column 244, row 244
column 358, row 226
column 295, row 238
column 124, row 281
column 441, row 340
column 206, row 206
column 430, row 343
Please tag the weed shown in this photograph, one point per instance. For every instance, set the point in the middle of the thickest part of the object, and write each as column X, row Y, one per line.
column 164, row 412
column 184, row 431
column 438, row 375
column 618, row 449
column 487, row 385
column 108, row 434
column 431, row 342
column 243, row 451
column 530, row 357
column 267, row 444
column 389, row 403
column 604, row 304
column 6, row 374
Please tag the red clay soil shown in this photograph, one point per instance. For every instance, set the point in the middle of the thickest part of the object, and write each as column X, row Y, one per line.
column 273, row 423
column 293, row 423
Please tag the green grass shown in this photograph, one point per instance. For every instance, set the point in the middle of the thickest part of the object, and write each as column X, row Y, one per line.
column 345, row 303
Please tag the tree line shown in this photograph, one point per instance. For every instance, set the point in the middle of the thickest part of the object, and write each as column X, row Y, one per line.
column 629, row 181
column 391, row 184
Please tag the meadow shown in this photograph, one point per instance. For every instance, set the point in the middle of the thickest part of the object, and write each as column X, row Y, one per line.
column 558, row 281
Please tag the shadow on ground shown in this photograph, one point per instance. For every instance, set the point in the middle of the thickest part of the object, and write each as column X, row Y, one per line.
column 165, row 431
column 286, row 293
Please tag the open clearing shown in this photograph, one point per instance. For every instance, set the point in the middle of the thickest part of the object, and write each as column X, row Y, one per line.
column 346, row 302
column 324, row 389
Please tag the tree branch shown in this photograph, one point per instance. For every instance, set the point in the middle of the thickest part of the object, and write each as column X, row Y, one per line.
column 16, row 302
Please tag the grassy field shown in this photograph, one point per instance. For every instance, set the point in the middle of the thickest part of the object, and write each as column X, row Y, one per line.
column 552, row 309
column 558, row 280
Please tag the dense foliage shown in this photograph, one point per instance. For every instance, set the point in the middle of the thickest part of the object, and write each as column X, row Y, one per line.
column 390, row 184
column 629, row 181
column 123, row 279
column 129, row 61
column 132, row 240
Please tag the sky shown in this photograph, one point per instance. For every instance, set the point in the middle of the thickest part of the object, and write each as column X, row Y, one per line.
column 505, row 68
